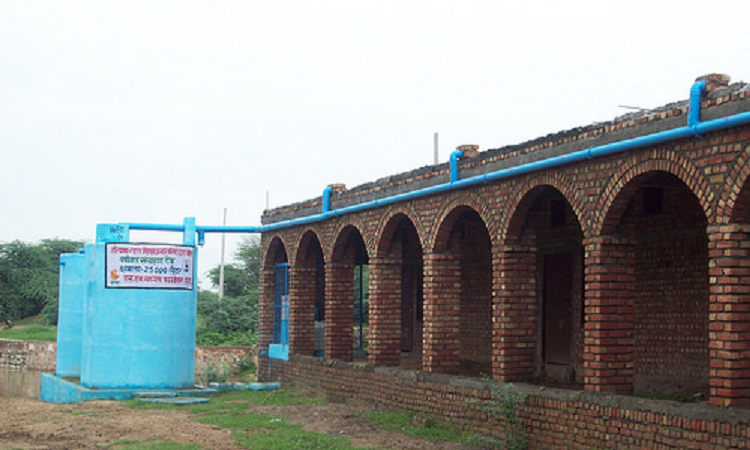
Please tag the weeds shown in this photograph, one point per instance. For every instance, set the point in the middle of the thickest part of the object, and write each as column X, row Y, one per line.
column 504, row 406
column 214, row 373
column 425, row 427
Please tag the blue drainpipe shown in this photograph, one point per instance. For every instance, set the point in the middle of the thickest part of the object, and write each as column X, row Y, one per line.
column 455, row 156
column 327, row 199
column 694, row 128
column 694, row 111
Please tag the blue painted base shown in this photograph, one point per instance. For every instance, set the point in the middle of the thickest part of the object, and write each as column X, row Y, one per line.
column 177, row 400
column 247, row 387
column 278, row 351
column 54, row 389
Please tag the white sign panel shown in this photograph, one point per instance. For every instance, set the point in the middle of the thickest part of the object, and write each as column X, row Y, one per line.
column 149, row 266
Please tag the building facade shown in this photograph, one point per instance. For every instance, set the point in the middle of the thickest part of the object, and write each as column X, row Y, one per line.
column 593, row 264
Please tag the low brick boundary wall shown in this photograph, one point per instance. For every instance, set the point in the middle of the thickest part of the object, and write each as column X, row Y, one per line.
column 554, row 418
column 32, row 355
column 221, row 355
column 42, row 356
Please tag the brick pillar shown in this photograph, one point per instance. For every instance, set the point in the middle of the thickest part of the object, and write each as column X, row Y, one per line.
column 608, row 355
column 729, row 319
column 265, row 318
column 514, row 313
column 302, row 310
column 385, row 312
column 442, row 312
column 339, row 311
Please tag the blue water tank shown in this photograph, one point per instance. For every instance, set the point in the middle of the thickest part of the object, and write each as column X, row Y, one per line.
column 136, row 338
column 70, row 314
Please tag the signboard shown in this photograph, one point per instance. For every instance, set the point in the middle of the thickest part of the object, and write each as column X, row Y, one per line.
column 149, row 266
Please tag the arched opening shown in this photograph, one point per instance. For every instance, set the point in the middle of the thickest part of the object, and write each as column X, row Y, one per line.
column 274, row 294
column 458, row 297
column 549, row 232
column 397, row 300
column 308, row 298
column 347, row 284
column 666, row 227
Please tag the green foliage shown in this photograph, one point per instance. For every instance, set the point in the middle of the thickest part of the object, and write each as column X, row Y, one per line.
column 29, row 278
column 214, row 373
column 504, row 406
column 232, row 320
column 426, row 428
column 31, row 333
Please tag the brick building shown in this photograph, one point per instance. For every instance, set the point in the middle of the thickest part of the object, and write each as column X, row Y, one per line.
column 585, row 266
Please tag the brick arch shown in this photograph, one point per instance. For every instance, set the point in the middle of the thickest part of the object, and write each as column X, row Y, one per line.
column 303, row 243
column 388, row 224
column 274, row 242
column 515, row 214
column 339, row 240
column 618, row 192
column 734, row 205
column 335, row 235
column 446, row 218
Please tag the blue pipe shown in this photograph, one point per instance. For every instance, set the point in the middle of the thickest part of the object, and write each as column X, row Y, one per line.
column 694, row 111
column 327, row 199
column 694, row 128
column 455, row 156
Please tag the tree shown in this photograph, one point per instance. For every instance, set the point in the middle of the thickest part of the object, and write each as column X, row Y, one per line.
column 236, row 283
column 29, row 277
column 233, row 319
column 248, row 255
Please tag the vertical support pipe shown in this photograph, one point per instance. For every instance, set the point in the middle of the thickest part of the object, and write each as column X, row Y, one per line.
column 327, row 199
column 455, row 156
column 694, row 114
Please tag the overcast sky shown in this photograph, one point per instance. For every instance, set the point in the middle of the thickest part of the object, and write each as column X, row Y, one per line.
column 152, row 111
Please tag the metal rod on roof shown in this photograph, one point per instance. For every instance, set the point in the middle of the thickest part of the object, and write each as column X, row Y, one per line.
column 437, row 156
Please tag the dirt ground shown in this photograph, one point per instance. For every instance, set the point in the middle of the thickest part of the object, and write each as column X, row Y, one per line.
column 35, row 425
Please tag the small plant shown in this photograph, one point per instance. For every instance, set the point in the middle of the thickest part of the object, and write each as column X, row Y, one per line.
column 246, row 364
column 504, row 406
column 214, row 373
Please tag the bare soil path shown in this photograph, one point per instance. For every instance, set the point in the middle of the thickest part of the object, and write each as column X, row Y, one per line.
column 35, row 425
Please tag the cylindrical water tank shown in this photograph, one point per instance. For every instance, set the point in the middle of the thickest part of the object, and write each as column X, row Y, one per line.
column 137, row 338
column 70, row 314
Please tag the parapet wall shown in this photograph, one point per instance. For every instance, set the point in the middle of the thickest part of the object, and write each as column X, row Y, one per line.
column 554, row 418
column 719, row 101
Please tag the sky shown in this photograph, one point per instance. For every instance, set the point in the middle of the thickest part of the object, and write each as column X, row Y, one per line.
column 153, row 111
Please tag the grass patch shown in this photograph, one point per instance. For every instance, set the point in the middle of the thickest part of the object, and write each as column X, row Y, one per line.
column 287, row 436
column 253, row 430
column 31, row 333
column 256, row 431
column 426, row 428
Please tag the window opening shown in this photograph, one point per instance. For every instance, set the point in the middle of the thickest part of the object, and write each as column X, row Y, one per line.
column 281, row 304
column 361, row 304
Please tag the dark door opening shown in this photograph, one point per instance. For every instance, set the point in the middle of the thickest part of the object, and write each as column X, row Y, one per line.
column 558, row 302
column 411, row 307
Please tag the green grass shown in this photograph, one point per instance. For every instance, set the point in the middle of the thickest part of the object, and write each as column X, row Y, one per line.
column 252, row 430
column 426, row 428
column 31, row 333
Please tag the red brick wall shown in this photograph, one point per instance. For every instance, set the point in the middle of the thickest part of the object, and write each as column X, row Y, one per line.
column 553, row 418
